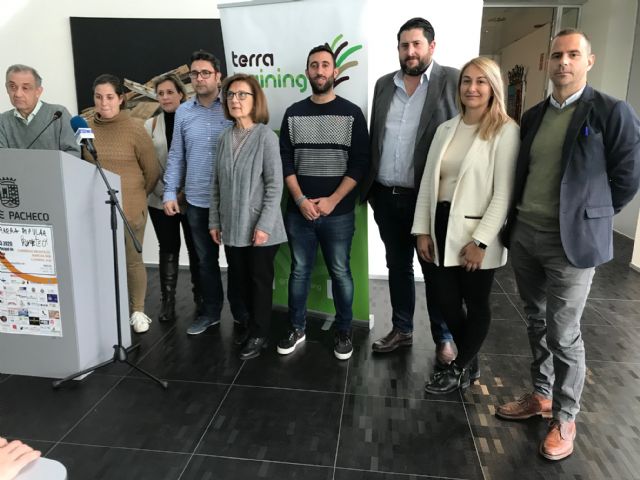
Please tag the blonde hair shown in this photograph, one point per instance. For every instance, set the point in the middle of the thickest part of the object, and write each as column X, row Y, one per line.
column 496, row 114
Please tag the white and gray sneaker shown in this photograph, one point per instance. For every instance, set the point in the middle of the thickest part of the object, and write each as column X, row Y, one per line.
column 140, row 322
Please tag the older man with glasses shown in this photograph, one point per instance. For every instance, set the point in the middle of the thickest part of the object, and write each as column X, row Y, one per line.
column 198, row 124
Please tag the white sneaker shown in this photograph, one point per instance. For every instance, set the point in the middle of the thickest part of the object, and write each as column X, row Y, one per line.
column 140, row 322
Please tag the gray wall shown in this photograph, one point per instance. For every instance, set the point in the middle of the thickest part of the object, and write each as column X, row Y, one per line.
column 626, row 221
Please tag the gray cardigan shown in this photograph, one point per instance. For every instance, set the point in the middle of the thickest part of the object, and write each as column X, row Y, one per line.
column 246, row 192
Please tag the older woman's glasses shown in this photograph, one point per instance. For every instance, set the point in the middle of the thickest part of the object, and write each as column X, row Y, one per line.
column 203, row 73
column 239, row 95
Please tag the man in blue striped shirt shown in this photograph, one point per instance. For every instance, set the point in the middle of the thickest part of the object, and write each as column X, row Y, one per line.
column 198, row 123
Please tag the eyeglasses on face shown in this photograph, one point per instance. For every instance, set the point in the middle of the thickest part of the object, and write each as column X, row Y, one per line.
column 240, row 95
column 203, row 73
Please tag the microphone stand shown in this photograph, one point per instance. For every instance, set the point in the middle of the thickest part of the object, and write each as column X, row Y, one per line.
column 56, row 116
column 120, row 354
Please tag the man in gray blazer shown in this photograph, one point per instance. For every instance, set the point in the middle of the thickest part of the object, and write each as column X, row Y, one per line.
column 408, row 106
column 579, row 164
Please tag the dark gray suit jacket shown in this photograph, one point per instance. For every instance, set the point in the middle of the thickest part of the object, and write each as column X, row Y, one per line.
column 439, row 106
column 600, row 173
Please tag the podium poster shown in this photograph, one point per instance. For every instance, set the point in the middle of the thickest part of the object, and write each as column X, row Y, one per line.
column 57, row 288
column 29, row 296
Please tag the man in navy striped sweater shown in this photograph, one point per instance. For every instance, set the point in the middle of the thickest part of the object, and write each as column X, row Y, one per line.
column 324, row 146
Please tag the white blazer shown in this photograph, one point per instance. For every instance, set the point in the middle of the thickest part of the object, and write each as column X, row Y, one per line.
column 159, row 138
column 480, row 198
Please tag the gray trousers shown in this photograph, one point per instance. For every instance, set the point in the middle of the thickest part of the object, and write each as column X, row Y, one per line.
column 554, row 293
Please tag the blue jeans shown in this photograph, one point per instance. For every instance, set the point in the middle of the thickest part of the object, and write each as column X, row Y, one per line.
column 334, row 234
column 394, row 215
column 209, row 269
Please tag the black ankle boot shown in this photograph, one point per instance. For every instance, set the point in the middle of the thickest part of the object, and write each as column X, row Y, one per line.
column 253, row 348
column 168, row 282
column 448, row 380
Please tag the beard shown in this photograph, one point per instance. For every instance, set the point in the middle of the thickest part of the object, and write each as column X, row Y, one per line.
column 321, row 89
column 423, row 64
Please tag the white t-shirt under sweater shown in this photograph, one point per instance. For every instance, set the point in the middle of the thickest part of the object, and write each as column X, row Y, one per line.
column 452, row 159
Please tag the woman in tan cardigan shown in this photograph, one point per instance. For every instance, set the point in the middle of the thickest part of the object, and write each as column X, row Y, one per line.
column 125, row 148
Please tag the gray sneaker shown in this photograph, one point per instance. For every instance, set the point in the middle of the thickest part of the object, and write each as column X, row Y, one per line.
column 200, row 324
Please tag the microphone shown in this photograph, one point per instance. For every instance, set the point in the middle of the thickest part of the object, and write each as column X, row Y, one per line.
column 83, row 134
column 57, row 114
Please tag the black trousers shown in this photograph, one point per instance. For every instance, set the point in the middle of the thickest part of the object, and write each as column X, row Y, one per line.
column 393, row 212
column 251, row 271
column 168, row 231
column 455, row 288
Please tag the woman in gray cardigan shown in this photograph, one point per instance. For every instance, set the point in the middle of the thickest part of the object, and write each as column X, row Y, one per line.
column 245, row 210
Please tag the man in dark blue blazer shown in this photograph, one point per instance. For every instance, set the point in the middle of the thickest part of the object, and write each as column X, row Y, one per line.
column 408, row 106
column 579, row 165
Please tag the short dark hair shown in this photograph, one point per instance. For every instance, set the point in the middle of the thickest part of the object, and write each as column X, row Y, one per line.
column 418, row 22
column 573, row 31
column 321, row 48
column 115, row 82
column 260, row 112
column 206, row 56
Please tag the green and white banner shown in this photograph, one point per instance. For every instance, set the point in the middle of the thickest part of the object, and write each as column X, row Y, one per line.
column 271, row 42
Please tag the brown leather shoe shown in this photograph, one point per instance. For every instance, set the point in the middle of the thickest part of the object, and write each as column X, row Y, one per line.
column 558, row 443
column 527, row 406
column 394, row 339
column 445, row 354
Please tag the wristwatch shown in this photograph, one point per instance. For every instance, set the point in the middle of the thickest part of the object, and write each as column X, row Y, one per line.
column 479, row 244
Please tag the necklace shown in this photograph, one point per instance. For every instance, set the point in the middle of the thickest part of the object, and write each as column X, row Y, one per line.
column 240, row 136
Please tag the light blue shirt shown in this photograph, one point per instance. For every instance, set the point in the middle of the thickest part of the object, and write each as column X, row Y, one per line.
column 193, row 149
column 572, row 99
column 401, row 127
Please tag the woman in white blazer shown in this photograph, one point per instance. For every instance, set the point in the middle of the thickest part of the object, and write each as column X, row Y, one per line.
column 462, row 205
column 170, row 92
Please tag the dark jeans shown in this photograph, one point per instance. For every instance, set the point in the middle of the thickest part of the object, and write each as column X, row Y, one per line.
column 454, row 286
column 251, row 268
column 210, row 281
column 334, row 234
column 394, row 215
column 167, row 230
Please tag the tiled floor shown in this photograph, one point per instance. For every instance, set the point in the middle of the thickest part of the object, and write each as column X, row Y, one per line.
column 309, row 416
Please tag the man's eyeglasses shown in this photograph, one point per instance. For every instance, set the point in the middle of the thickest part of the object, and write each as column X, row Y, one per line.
column 240, row 95
column 203, row 73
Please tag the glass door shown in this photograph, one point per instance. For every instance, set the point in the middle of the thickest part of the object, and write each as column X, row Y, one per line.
column 517, row 38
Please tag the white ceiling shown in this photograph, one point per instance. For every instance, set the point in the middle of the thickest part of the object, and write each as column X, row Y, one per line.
column 502, row 26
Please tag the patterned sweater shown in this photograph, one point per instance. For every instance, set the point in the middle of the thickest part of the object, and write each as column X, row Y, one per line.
column 323, row 143
column 125, row 148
